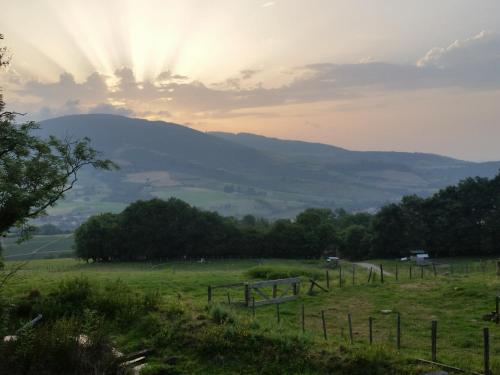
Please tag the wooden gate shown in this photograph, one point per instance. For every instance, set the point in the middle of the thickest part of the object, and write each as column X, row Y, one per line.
column 289, row 291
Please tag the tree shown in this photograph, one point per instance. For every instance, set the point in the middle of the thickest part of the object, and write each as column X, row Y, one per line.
column 355, row 242
column 35, row 173
column 98, row 238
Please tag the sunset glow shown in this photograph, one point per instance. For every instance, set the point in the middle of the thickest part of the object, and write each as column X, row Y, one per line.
column 358, row 74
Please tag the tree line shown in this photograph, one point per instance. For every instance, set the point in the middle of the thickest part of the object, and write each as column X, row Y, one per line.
column 456, row 221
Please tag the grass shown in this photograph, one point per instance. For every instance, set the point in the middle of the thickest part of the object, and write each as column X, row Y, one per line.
column 456, row 300
column 46, row 246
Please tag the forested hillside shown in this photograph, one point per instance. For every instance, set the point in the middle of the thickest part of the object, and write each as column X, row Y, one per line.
column 461, row 220
column 242, row 174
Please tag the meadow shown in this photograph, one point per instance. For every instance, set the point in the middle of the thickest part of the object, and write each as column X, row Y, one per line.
column 43, row 246
column 457, row 297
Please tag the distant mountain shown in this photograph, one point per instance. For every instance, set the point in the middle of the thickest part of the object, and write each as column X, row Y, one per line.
column 242, row 173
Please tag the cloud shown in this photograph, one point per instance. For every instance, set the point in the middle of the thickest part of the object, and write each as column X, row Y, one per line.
column 93, row 88
column 268, row 4
column 248, row 73
column 168, row 76
column 472, row 63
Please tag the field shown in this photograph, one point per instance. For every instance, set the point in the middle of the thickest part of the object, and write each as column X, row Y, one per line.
column 457, row 298
column 47, row 246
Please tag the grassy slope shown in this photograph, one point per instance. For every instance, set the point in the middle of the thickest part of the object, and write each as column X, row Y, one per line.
column 458, row 301
column 45, row 246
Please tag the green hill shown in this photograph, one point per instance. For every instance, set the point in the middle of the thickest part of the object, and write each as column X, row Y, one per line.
column 237, row 174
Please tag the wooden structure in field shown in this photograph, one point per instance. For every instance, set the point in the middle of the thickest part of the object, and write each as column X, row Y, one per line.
column 271, row 291
column 261, row 292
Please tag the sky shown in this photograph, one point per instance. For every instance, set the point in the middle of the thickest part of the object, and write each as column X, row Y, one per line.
column 404, row 75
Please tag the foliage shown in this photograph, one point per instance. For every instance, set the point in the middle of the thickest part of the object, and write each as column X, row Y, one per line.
column 35, row 173
column 221, row 315
column 55, row 348
column 457, row 221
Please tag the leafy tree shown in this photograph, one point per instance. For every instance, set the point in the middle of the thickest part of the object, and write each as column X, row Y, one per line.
column 35, row 173
column 99, row 238
column 355, row 242
column 319, row 230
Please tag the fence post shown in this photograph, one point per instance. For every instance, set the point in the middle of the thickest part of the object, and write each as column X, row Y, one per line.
column 497, row 317
column 209, row 293
column 421, row 272
column 410, row 272
column 398, row 331
column 303, row 319
column 324, row 323
column 370, row 274
column 327, row 280
column 370, row 329
column 381, row 273
column 247, row 295
column 397, row 273
column 228, row 298
column 486, row 347
column 340, row 276
column 434, row 340
column 434, row 269
column 349, row 320
column 278, row 312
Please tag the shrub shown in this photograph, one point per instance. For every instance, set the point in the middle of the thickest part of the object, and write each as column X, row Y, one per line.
column 221, row 315
column 55, row 348
column 112, row 300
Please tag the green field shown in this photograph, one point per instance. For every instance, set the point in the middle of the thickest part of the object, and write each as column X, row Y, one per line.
column 47, row 246
column 457, row 298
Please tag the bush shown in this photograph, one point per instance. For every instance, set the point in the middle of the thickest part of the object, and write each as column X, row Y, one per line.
column 221, row 315
column 73, row 297
column 59, row 348
column 269, row 272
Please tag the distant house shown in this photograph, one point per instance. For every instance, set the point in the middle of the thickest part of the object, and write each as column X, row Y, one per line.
column 332, row 260
column 419, row 256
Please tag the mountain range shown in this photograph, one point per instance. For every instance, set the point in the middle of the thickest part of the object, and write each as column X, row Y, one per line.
column 237, row 174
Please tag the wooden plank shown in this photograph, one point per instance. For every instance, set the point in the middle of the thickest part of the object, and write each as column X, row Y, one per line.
column 130, row 356
column 133, row 362
column 319, row 286
column 446, row 367
column 260, row 284
column 275, row 300
column 234, row 285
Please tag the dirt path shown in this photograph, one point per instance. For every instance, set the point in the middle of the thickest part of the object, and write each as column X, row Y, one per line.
column 376, row 268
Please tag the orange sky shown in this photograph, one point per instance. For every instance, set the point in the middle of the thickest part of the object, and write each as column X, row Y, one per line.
column 361, row 74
